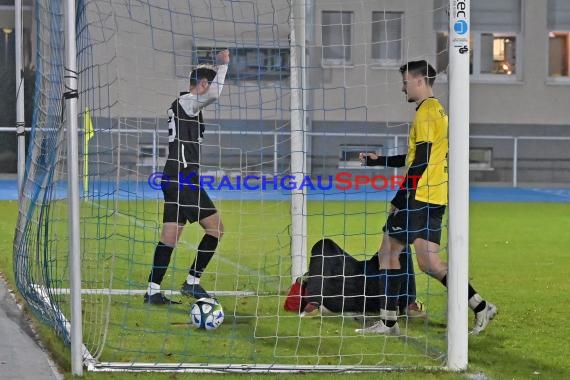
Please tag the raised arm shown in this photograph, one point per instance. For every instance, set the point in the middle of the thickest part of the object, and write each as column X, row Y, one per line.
column 217, row 85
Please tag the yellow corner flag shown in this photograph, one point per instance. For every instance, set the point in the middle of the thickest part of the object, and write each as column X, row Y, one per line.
column 88, row 133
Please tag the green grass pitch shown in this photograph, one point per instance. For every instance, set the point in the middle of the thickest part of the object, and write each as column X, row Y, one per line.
column 518, row 260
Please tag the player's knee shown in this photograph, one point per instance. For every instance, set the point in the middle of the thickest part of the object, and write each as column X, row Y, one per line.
column 169, row 241
column 424, row 266
column 216, row 230
column 430, row 267
column 220, row 230
column 423, row 262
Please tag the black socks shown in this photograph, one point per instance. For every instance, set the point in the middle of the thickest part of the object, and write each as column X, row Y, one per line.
column 390, row 283
column 206, row 250
column 162, row 254
column 470, row 293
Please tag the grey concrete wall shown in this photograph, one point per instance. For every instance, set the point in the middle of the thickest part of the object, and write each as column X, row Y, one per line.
column 137, row 68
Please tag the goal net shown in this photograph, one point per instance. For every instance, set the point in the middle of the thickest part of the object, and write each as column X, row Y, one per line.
column 310, row 85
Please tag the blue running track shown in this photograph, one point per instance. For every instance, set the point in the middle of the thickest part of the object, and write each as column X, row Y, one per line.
column 127, row 190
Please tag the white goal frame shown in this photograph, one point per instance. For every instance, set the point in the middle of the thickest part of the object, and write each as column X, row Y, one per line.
column 458, row 78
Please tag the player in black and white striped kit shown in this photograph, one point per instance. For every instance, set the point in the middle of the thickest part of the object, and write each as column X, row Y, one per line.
column 184, row 201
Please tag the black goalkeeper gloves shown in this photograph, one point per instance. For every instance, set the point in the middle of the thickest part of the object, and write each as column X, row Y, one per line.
column 390, row 161
column 380, row 161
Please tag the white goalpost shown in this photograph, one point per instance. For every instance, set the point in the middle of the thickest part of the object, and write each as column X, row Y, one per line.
column 298, row 138
column 310, row 84
column 458, row 238
column 72, row 136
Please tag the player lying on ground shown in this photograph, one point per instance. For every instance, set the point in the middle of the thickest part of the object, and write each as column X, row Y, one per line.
column 338, row 283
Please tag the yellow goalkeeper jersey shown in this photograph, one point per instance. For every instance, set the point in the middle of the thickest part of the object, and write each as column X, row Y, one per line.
column 430, row 125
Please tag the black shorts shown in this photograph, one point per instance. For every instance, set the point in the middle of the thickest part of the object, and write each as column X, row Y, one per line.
column 186, row 205
column 419, row 220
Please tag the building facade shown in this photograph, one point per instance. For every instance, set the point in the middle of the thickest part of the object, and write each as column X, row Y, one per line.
column 519, row 82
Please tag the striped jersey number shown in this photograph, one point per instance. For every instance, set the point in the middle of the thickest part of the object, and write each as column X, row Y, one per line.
column 171, row 126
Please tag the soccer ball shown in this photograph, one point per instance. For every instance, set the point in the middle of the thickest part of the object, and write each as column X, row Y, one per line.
column 207, row 313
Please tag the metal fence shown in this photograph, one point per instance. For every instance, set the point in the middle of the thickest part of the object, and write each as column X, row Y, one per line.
column 497, row 159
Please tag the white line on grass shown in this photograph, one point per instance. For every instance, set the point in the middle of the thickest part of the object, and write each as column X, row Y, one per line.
column 129, row 292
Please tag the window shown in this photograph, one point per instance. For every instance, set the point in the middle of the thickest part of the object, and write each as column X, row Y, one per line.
column 558, row 47
column 337, row 37
column 559, row 39
column 147, row 157
column 498, row 53
column 495, row 42
column 349, row 157
column 441, row 52
column 7, row 46
column 255, row 63
column 387, row 38
column 8, row 34
column 481, row 159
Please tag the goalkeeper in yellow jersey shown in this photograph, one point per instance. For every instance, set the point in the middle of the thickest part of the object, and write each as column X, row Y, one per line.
column 417, row 209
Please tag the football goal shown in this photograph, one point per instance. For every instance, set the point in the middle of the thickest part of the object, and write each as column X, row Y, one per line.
column 310, row 84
